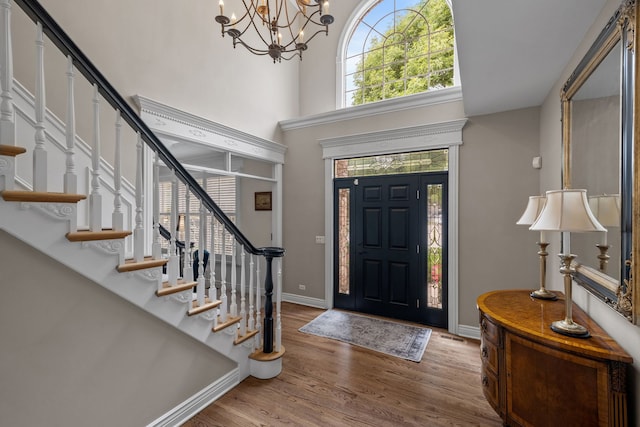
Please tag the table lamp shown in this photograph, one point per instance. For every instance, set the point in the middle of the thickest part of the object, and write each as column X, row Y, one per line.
column 567, row 211
column 531, row 213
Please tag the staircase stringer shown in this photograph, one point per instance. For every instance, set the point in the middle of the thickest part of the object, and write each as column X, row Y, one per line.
column 46, row 233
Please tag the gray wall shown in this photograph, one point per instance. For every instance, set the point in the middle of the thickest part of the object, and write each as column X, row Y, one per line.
column 74, row 354
column 496, row 178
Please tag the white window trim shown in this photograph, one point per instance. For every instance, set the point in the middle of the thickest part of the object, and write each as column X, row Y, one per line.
column 352, row 22
column 427, row 137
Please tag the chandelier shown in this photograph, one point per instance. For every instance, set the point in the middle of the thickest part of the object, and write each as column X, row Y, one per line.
column 281, row 31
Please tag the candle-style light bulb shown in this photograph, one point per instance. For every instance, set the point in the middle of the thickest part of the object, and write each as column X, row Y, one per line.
column 301, row 37
column 221, row 4
column 325, row 8
column 233, row 20
column 280, row 38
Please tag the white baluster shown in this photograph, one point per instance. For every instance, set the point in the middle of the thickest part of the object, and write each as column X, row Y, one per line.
column 243, row 310
column 7, row 122
column 117, row 218
column 95, row 198
column 278, row 333
column 251, row 323
column 173, row 265
column 223, row 277
column 258, row 304
column 212, row 267
column 70, row 178
column 39, row 152
column 187, row 269
column 138, row 231
column 201, row 249
column 156, row 249
column 233, row 306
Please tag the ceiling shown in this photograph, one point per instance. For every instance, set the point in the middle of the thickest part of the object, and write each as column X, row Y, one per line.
column 511, row 52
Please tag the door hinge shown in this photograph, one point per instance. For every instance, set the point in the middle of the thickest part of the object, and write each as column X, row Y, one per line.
column 355, row 181
column 418, row 194
column 417, row 303
column 417, row 249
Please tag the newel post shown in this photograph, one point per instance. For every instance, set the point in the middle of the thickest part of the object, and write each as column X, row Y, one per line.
column 267, row 331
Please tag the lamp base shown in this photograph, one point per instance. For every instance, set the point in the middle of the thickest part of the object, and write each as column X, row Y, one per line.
column 542, row 293
column 570, row 329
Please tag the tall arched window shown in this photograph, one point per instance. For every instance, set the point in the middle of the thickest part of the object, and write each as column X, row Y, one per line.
column 397, row 48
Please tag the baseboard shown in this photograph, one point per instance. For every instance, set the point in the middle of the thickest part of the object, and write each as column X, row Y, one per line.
column 302, row 300
column 190, row 407
column 469, row 331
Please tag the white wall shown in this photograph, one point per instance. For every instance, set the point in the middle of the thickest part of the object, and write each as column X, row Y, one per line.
column 626, row 334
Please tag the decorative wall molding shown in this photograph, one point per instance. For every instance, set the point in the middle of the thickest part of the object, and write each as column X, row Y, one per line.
column 386, row 106
column 172, row 123
column 423, row 137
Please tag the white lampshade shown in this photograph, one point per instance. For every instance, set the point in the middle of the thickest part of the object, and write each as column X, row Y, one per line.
column 606, row 208
column 533, row 209
column 567, row 210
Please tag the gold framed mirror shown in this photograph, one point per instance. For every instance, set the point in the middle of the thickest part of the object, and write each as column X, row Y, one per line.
column 598, row 135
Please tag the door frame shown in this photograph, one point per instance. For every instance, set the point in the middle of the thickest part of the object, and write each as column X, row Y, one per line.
column 433, row 136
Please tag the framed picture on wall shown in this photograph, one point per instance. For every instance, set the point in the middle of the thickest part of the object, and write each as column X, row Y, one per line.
column 263, row 200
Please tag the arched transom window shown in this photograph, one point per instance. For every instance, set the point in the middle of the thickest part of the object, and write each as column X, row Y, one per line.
column 398, row 48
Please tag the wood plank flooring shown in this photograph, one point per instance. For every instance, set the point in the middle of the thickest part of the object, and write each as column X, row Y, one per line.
column 329, row 383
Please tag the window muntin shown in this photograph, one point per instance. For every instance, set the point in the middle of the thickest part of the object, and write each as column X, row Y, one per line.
column 399, row 47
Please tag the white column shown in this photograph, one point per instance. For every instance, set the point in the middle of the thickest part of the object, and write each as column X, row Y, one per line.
column 70, row 178
column 251, row 323
column 233, row 305
column 201, row 249
column 138, row 232
column 117, row 218
column 223, row 277
column 243, row 309
column 39, row 152
column 212, row 267
column 187, row 268
column 156, row 249
column 173, row 267
column 95, row 198
column 7, row 122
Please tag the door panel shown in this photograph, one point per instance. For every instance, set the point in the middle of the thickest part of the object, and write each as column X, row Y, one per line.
column 390, row 255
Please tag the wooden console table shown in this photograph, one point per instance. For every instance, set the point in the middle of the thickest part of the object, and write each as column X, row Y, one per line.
column 533, row 376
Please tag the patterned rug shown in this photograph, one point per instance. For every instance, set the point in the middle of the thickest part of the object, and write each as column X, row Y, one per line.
column 396, row 339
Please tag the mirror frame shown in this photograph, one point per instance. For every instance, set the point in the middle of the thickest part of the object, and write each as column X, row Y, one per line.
column 619, row 295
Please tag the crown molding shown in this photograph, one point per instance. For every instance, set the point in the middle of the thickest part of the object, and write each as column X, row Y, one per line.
column 177, row 124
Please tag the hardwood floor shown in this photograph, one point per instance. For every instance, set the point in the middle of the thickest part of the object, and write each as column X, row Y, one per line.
column 329, row 383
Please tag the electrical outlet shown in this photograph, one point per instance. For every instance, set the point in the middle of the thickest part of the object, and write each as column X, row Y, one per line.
column 320, row 240
column 302, row 287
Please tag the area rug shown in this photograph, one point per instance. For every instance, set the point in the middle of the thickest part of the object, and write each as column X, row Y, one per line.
column 392, row 338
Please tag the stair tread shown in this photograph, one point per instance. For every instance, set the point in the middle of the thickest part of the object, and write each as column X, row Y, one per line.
column 88, row 235
column 208, row 305
column 148, row 262
column 245, row 337
column 181, row 286
column 222, row 325
column 41, row 196
column 260, row 356
column 11, row 150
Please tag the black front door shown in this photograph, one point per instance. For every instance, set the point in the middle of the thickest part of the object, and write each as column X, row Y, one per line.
column 384, row 264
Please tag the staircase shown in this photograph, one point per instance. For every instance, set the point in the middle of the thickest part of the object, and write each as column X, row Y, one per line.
column 108, row 230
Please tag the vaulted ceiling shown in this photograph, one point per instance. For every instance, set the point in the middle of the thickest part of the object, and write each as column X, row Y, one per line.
column 511, row 52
